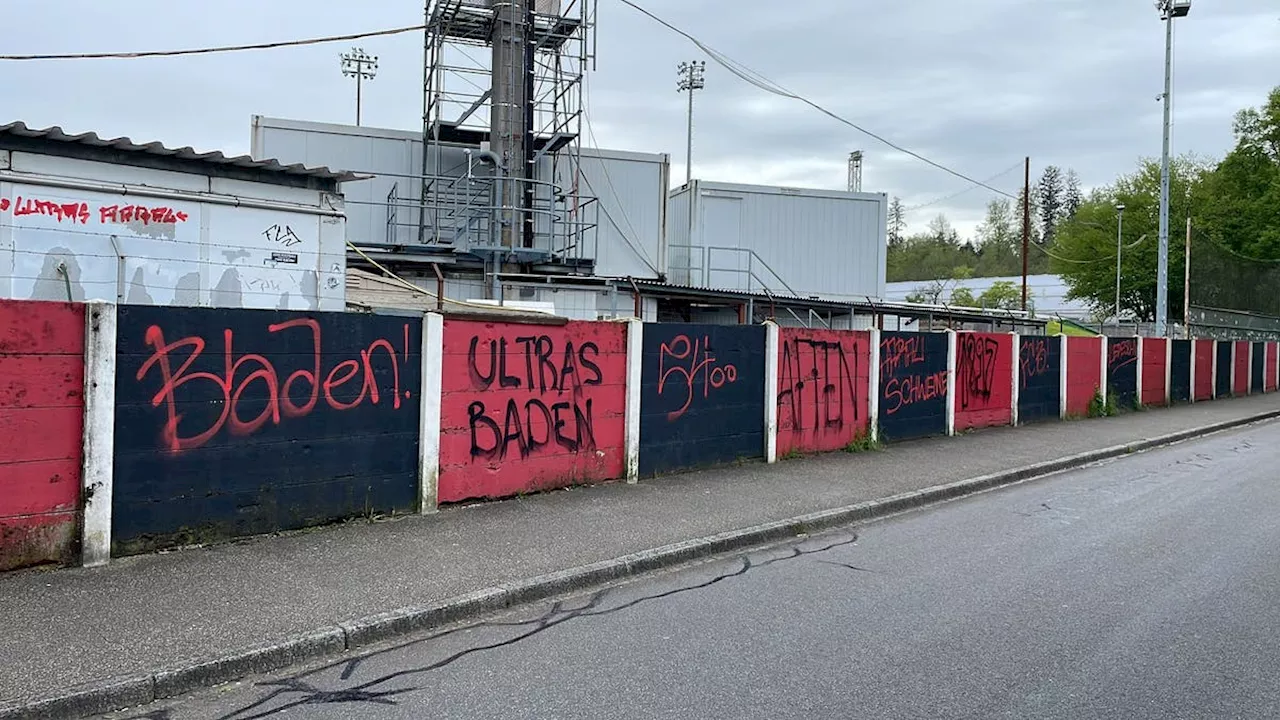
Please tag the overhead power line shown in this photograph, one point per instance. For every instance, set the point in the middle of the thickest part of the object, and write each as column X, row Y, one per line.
column 220, row 49
column 747, row 74
column 954, row 195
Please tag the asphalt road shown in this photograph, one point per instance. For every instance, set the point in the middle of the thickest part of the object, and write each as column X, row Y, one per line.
column 1147, row 587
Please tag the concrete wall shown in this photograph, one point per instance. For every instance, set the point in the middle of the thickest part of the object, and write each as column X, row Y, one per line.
column 1180, row 371
column 129, row 428
column 702, row 396
column 1122, row 370
column 236, row 422
column 41, row 413
column 530, row 407
column 1155, row 364
column 1240, row 376
column 1226, row 371
column 984, row 380
column 1273, row 367
column 1040, row 387
column 822, row 398
column 1258, row 367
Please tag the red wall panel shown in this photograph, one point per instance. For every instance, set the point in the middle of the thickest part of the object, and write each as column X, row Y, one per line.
column 1084, row 373
column 1155, row 359
column 823, row 378
column 1272, row 350
column 41, row 420
column 530, row 407
column 1240, row 380
column 1204, row 370
column 984, row 380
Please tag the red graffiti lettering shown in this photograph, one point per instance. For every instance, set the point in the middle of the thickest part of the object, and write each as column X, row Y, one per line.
column 79, row 212
column 900, row 392
column 1122, row 352
column 73, row 212
column 137, row 213
column 4, row 204
column 238, row 374
column 1034, row 359
column 900, row 352
column 697, row 359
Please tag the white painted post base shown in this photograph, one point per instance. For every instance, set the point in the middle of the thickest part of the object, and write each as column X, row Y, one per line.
column 873, row 386
column 1015, row 377
column 951, row 382
column 96, row 476
column 1062, row 378
column 430, row 403
column 631, row 439
column 771, row 391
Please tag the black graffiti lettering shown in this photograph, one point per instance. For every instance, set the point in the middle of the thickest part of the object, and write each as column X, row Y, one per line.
column 831, row 378
column 545, row 364
column 513, row 430
column 476, row 418
column 530, row 343
column 597, row 377
column 975, row 369
column 533, row 444
column 568, row 366
column 505, row 380
column 479, row 380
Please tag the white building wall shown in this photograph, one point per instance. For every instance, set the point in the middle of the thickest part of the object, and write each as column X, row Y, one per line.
column 79, row 230
column 816, row 242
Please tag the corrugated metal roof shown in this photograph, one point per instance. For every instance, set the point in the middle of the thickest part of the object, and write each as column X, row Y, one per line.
column 189, row 154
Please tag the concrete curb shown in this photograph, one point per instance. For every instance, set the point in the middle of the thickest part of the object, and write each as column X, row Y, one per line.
column 120, row 693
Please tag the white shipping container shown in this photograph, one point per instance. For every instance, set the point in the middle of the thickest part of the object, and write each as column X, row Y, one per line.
column 813, row 243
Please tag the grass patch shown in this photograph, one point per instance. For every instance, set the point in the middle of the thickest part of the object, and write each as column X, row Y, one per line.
column 1103, row 408
column 864, row 443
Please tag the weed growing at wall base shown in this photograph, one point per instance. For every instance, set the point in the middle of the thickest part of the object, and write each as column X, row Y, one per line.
column 1103, row 408
column 864, row 443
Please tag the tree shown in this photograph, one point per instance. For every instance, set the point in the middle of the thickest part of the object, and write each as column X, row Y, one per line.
column 963, row 297
column 1002, row 295
column 897, row 221
column 1239, row 203
column 1086, row 244
column 1073, row 197
column 999, row 241
column 940, row 230
column 1050, row 194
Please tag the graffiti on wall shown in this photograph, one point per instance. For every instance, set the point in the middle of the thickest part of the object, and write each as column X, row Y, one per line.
column 234, row 422
column 554, row 378
column 343, row 383
column 913, row 384
column 1122, row 370
column 530, row 407
column 821, row 379
column 975, row 369
column 702, row 395
column 1040, row 378
column 80, row 213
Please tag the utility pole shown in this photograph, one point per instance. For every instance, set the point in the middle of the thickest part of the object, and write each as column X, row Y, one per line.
column 361, row 66
column 1026, row 228
column 1169, row 9
column 692, row 77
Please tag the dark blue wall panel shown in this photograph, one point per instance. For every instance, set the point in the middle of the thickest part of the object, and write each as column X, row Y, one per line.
column 913, row 385
column 1122, row 370
column 701, row 396
column 1180, row 371
column 1222, row 380
column 1258, row 361
column 1039, row 379
column 237, row 422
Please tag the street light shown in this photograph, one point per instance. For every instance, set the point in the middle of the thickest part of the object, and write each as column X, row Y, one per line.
column 361, row 66
column 1119, row 235
column 692, row 77
column 1169, row 9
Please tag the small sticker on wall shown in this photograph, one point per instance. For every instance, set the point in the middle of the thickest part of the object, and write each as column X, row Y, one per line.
column 290, row 258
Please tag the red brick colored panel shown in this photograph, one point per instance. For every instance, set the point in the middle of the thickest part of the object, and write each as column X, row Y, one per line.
column 823, row 379
column 1204, row 370
column 530, row 407
column 1240, row 380
column 984, row 380
column 41, row 420
column 1272, row 358
column 1155, row 359
column 1084, row 373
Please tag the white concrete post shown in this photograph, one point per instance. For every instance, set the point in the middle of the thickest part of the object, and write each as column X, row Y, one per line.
column 1138, row 372
column 873, row 385
column 951, row 382
column 96, row 475
column 1062, row 378
column 771, row 337
column 631, row 440
column 429, row 404
column 1015, row 375
column 1103, row 389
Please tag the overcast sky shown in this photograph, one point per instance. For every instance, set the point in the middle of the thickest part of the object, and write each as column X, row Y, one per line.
column 973, row 84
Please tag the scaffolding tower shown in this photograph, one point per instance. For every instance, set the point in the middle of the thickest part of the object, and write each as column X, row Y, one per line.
column 502, row 121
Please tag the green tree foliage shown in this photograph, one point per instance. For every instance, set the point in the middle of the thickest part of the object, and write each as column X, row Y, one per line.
column 897, row 222
column 1234, row 206
column 1002, row 295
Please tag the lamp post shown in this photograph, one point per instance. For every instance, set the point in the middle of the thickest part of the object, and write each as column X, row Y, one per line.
column 1119, row 249
column 1169, row 9
column 692, row 77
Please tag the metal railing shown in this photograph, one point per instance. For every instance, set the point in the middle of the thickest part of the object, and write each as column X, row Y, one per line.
column 700, row 274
